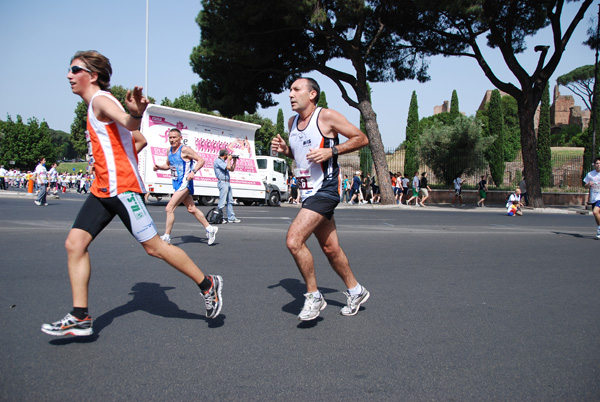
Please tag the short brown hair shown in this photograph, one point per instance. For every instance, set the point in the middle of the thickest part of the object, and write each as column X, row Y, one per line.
column 99, row 64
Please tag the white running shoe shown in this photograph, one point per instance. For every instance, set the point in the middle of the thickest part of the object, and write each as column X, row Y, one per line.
column 212, row 234
column 312, row 307
column 353, row 302
column 166, row 238
column 598, row 233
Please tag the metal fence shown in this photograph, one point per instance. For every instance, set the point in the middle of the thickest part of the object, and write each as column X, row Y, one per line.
column 567, row 168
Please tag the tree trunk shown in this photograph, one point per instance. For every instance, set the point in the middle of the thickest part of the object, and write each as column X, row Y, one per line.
column 378, row 152
column 529, row 152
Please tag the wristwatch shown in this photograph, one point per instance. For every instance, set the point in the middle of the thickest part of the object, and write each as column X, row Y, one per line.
column 334, row 150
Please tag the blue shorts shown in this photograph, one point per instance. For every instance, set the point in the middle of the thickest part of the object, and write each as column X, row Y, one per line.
column 181, row 185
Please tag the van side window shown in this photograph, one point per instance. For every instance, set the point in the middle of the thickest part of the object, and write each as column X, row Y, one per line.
column 261, row 163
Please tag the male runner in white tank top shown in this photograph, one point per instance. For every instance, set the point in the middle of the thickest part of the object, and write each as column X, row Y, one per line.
column 314, row 145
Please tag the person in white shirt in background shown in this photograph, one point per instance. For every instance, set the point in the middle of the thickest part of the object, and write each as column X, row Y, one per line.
column 592, row 181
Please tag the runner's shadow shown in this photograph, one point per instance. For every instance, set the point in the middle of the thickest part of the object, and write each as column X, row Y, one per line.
column 149, row 297
column 189, row 239
column 297, row 289
column 578, row 235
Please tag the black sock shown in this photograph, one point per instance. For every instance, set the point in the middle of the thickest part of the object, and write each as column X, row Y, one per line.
column 205, row 284
column 79, row 312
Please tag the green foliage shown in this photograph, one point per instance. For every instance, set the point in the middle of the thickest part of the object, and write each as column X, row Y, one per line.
column 568, row 136
column 281, row 129
column 249, row 51
column 495, row 152
column 79, row 125
column 25, row 144
column 456, row 149
column 543, row 141
column 78, row 128
column 512, row 131
column 322, row 100
column 411, row 155
column 590, row 153
column 185, row 101
column 440, row 118
column 264, row 135
column 454, row 108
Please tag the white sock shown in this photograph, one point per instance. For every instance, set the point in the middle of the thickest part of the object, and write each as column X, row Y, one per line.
column 355, row 290
column 167, row 236
column 208, row 228
column 316, row 295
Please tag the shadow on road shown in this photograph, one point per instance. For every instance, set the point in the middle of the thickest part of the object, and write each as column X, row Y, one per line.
column 149, row 297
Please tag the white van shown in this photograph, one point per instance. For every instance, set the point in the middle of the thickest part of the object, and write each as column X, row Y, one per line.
column 208, row 134
column 275, row 175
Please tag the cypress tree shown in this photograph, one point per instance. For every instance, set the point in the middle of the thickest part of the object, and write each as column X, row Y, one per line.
column 496, row 129
column 543, row 140
column 454, row 108
column 411, row 162
column 322, row 100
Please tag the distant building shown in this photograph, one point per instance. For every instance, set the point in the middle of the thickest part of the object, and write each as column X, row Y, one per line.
column 563, row 112
column 443, row 108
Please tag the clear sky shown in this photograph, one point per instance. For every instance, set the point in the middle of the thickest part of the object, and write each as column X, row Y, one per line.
column 38, row 39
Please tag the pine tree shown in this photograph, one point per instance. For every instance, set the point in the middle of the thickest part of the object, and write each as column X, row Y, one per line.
column 454, row 108
column 495, row 153
column 543, row 140
column 411, row 162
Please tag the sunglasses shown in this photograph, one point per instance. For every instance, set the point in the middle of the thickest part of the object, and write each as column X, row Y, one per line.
column 76, row 69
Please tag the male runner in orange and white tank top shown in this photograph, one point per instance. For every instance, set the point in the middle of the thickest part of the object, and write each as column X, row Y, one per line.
column 117, row 190
column 314, row 145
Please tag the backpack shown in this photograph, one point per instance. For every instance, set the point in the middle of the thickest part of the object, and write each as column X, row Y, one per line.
column 214, row 216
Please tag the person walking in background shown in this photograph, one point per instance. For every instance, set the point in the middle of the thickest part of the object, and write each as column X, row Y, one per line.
column 356, row 190
column 293, row 190
column 457, row 190
column 482, row 185
column 346, row 187
column 41, row 177
column 3, row 178
column 523, row 188
column 415, row 190
column 315, row 146
column 423, row 189
column 592, row 181
column 117, row 190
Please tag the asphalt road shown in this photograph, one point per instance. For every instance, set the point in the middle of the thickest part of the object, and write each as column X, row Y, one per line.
column 466, row 305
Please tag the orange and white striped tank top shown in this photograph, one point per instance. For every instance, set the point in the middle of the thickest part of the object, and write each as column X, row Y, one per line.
column 115, row 158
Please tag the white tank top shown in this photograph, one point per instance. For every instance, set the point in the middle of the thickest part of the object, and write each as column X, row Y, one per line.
column 314, row 178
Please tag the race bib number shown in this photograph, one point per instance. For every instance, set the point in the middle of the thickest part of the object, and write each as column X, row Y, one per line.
column 174, row 174
column 303, row 179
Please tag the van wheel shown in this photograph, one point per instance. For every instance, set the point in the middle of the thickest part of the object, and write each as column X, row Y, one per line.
column 274, row 198
column 208, row 201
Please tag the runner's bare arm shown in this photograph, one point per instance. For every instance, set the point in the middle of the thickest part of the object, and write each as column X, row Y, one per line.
column 107, row 110
column 140, row 140
column 332, row 123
